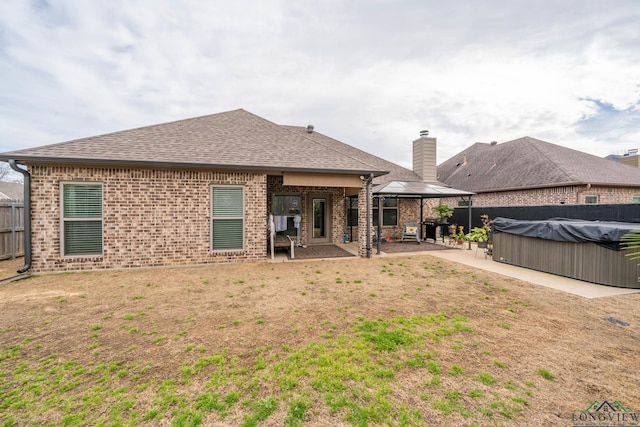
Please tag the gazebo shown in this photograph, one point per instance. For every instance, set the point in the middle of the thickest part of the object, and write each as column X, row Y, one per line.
column 417, row 190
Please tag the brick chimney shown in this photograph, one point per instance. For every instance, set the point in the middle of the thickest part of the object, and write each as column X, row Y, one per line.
column 631, row 158
column 424, row 157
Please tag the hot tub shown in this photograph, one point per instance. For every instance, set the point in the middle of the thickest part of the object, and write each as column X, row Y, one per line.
column 583, row 250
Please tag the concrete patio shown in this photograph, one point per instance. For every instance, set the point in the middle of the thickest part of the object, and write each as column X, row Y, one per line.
column 477, row 259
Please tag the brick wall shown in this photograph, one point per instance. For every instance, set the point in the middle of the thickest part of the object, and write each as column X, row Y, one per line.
column 407, row 209
column 364, row 246
column 150, row 217
column 570, row 195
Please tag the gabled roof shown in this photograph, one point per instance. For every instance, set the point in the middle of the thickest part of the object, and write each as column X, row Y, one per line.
column 527, row 163
column 236, row 140
column 396, row 172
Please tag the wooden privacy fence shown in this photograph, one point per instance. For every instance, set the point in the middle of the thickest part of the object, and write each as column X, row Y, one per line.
column 11, row 229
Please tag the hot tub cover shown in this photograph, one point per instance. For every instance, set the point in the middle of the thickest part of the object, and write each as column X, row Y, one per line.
column 567, row 230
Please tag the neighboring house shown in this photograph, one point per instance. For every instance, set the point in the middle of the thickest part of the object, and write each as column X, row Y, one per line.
column 195, row 191
column 11, row 191
column 528, row 171
column 614, row 158
column 630, row 158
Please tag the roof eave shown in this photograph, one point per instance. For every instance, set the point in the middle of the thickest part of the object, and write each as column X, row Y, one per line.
column 559, row 184
column 27, row 160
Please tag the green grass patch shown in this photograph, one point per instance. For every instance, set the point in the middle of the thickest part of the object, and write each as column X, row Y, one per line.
column 455, row 370
column 546, row 374
column 350, row 374
column 485, row 378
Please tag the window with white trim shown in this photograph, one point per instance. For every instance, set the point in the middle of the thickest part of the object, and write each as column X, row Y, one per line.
column 635, row 199
column 81, row 228
column 227, row 217
column 389, row 211
column 591, row 199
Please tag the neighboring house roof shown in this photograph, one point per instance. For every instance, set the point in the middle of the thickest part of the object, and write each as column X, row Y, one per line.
column 527, row 163
column 230, row 140
column 396, row 172
column 11, row 191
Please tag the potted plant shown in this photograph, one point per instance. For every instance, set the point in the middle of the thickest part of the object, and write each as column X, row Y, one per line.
column 479, row 235
column 443, row 212
column 486, row 225
column 458, row 234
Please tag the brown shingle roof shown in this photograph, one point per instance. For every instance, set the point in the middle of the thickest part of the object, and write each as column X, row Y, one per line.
column 230, row 140
column 396, row 172
column 530, row 163
column 11, row 190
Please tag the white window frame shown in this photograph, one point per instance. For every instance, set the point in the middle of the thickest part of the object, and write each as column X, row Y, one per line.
column 64, row 220
column 214, row 218
column 374, row 211
column 635, row 199
column 591, row 203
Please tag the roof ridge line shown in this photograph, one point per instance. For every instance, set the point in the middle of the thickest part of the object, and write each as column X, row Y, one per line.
column 558, row 167
column 333, row 149
column 55, row 144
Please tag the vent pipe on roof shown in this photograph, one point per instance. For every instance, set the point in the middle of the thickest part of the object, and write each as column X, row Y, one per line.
column 309, row 128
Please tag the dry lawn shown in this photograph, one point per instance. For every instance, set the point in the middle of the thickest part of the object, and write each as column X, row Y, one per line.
column 408, row 340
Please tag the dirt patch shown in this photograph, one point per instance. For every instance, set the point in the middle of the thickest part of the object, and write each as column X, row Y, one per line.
column 169, row 318
column 9, row 268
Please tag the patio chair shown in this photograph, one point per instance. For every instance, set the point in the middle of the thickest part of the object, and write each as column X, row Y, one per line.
column 411, row 230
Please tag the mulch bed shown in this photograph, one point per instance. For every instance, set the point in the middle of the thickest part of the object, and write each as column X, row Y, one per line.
column 321, row 251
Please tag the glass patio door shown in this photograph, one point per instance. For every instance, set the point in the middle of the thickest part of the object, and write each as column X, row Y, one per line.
column 319, row 218
column 319, row 222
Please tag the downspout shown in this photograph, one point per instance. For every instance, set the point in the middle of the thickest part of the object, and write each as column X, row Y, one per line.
column 369, row 180
column 379, row 231
column 27, row 215
column 469, row 229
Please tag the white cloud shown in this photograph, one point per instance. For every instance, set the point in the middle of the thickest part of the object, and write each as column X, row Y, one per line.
column 369, row 73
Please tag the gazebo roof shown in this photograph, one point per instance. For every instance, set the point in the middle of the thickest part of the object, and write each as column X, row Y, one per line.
column 418, row 189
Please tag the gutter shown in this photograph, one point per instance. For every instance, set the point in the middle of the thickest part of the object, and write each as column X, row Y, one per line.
column 27, row 215
column 158, row 164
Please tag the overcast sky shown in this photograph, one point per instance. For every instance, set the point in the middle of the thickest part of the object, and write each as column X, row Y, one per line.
column 370, row 73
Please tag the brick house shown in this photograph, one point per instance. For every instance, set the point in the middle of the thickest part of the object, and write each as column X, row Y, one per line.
column 195, row 191
column 528, row 171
